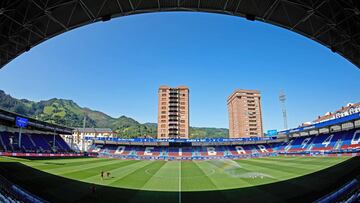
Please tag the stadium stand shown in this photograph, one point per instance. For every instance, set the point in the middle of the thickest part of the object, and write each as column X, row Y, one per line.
column 33, row 143
column 40, row 139
column 7, row 199
column 339, row 143
column 153, row 152
column 11, row 193
column 36, row 138
column 347, row 193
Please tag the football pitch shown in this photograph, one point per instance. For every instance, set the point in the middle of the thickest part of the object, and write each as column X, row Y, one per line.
column 172, row 180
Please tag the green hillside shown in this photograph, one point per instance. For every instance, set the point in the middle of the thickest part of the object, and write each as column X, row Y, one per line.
column 68, row 113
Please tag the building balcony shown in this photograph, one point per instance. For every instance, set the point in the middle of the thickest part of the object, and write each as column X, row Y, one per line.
column 173, row 128
column 173, row 134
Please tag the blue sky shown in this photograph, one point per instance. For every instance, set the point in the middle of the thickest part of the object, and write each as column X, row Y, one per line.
column 117, row 66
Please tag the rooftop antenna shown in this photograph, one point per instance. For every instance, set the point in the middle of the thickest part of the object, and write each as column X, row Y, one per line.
column 282, row 98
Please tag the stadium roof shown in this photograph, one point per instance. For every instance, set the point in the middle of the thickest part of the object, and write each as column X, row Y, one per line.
column 331, row 114
column 26, row 23
column 8, row 118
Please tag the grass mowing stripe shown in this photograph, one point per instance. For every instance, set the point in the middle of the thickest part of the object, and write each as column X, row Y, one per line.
column 287, row 163
column 49, row 166
column 242, row 175
column 208, row 176
column 119, row 173
column 311, row 164
column 138, row 177
column 276, row 166
column 151, row 196
column 193, row 178
column 65, row 186
column 13, row 159
column 269, row 175
column 97, row 179
column 226, row 181
column 296, row 171
column 306, row 160
column 66, row 160
column 86, row 173
column 164, row 178
column 61, row 171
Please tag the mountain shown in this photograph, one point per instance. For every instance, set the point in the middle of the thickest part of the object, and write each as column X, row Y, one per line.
column 203, row 132
column 68, row 113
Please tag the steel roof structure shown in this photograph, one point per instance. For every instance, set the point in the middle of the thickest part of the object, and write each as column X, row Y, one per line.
column 333, row 23
column 8, row 118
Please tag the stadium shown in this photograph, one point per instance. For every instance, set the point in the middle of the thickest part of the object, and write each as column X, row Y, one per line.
column 315, row 162
column 303, row 164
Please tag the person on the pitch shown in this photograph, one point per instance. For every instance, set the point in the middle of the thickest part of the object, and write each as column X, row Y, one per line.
column 102, row 175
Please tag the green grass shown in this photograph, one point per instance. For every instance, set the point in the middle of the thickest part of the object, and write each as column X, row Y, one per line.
column 195, row 175
column 144, row 178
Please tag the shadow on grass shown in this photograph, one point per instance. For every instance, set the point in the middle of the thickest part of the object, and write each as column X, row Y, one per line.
column 302, row 189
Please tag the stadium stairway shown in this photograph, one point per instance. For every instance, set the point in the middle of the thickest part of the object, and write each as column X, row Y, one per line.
column 31, row 140
column 3, row 147
column 6, row 199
